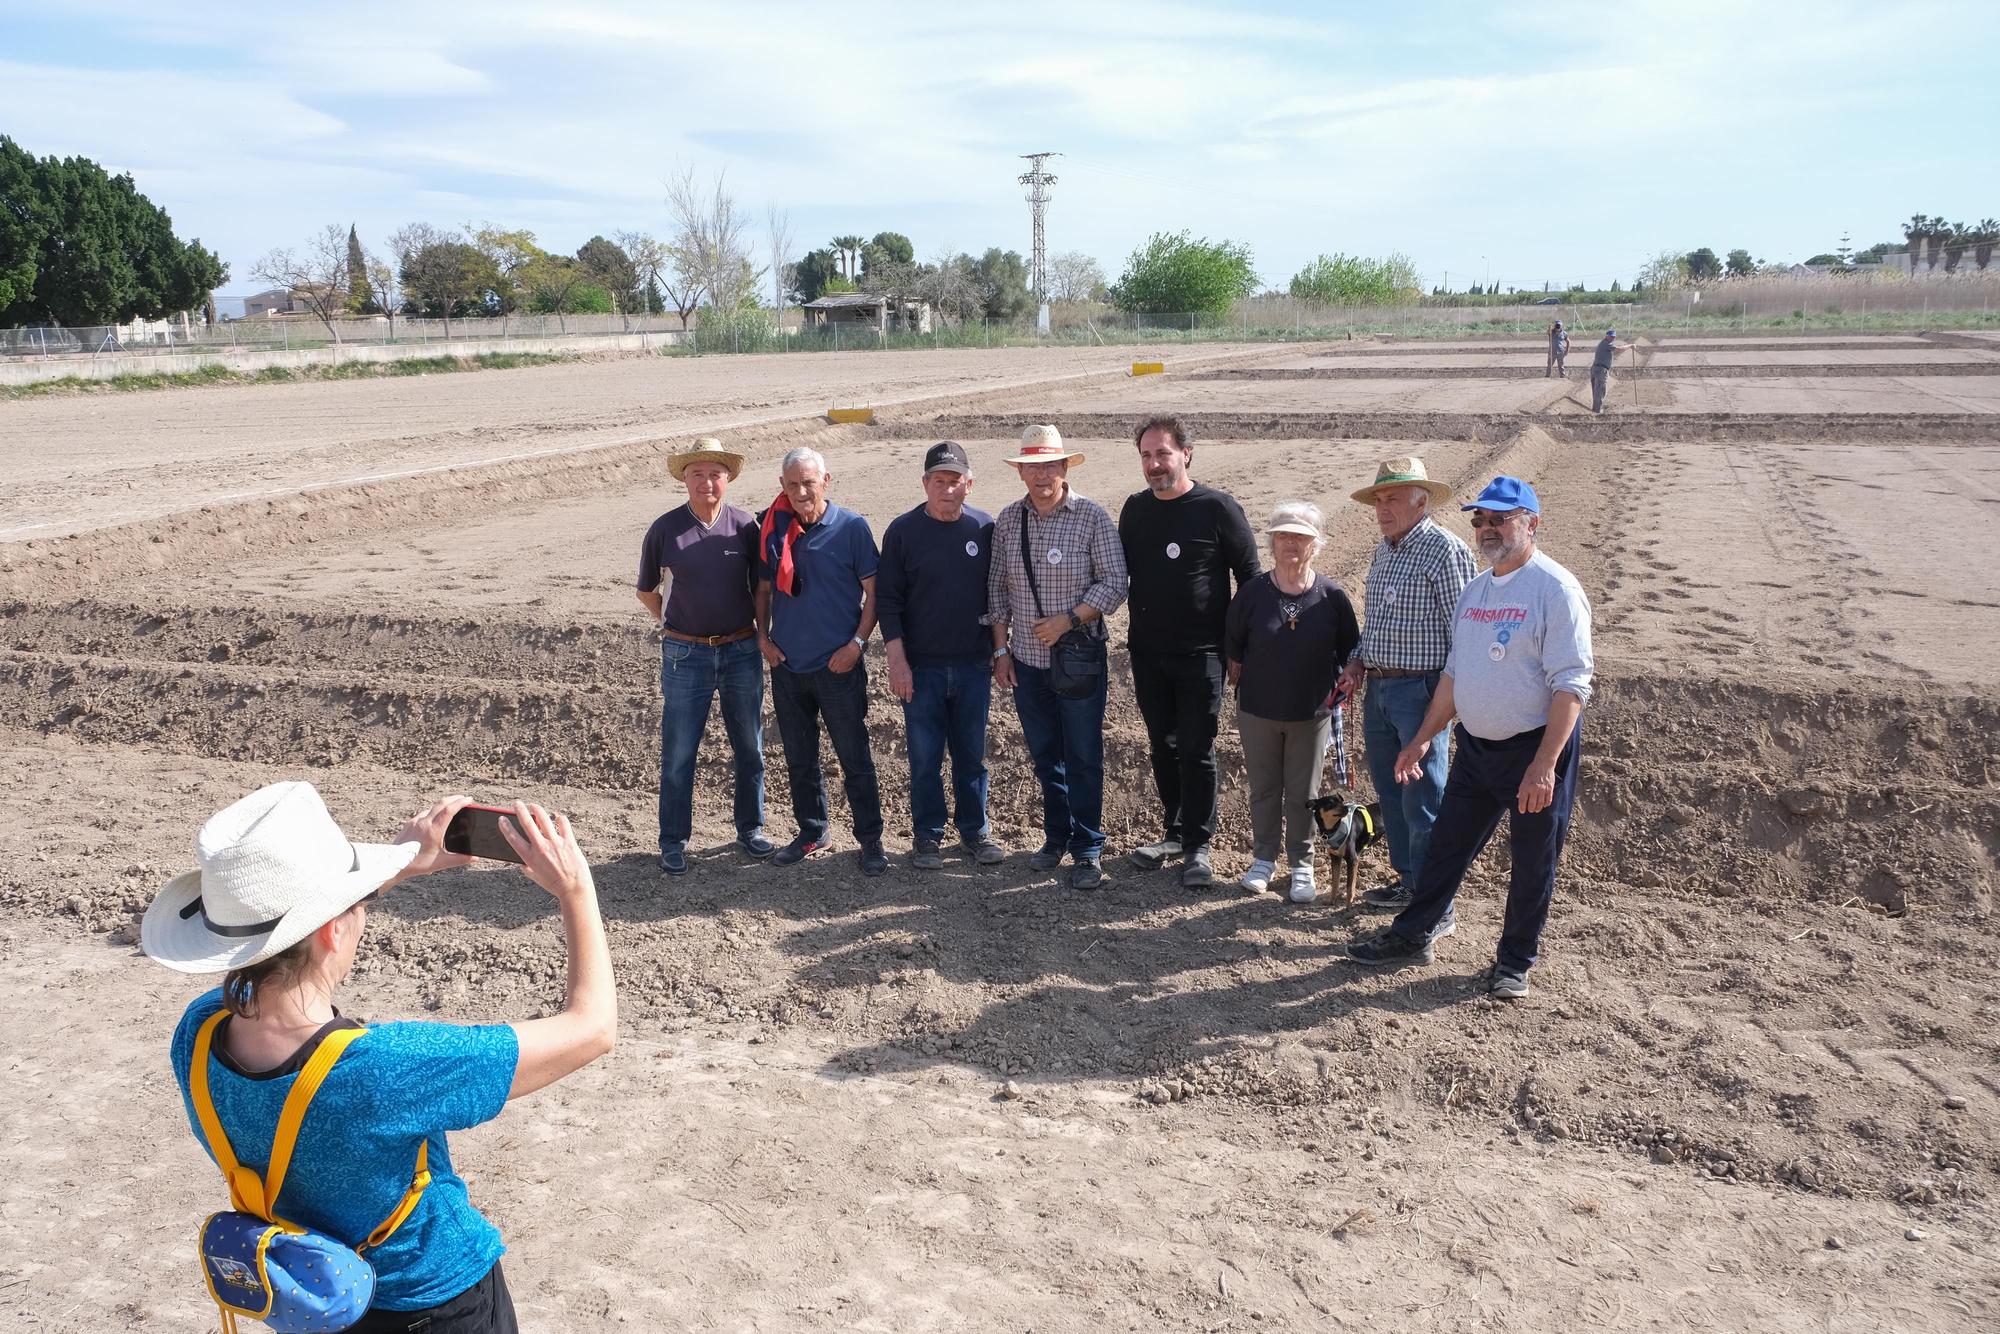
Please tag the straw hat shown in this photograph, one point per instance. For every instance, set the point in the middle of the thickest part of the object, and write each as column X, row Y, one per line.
column 1403, row 472
column 273, row 868
column 1044, row 444
column 708, row 449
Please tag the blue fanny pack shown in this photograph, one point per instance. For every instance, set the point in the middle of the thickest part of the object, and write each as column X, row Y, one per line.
column 256, row 1264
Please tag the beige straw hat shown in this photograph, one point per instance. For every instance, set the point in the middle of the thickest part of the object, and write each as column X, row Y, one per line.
column 273, row 868
column 1403, row 472
column 708, row 449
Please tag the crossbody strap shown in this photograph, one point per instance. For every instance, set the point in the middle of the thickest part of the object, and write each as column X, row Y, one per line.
column 251, row 1194
column 1028, row 565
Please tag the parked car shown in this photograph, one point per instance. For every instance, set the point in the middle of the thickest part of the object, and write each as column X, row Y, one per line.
column 1550, row 301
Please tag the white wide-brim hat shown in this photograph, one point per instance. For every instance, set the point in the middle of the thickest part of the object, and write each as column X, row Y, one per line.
column 1044, row 444
column 273, row 868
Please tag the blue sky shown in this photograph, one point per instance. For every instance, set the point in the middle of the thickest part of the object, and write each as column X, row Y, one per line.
column 1550, row 142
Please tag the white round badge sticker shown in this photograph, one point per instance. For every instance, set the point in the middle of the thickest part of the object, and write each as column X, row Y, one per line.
column 1173, row 551
column 1388, row 597
column 1496, row 651
column 1055, row 555
column 972, row 548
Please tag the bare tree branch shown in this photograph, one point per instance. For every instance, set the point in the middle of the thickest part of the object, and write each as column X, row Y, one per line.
column 318, row 274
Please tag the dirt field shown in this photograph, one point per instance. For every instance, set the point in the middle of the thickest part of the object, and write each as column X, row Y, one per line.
column 1756, row 1088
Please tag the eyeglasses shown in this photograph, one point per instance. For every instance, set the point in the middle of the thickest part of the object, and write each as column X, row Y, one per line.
column 1485, row 519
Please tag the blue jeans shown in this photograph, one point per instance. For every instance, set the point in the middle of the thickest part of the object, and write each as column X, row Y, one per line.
column 1484, row 786
column 1066, row 739
column 1391, row 715
column 801, row 700
column 948, row 712
column 691, row 675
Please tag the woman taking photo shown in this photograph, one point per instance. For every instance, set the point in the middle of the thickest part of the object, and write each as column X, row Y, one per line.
column 278, row 907
column 1288, row 634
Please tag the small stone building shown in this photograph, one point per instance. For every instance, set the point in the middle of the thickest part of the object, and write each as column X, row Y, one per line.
column 883, row 314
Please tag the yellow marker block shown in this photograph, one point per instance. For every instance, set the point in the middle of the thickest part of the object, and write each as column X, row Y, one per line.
column 864, row 416
column 1149, row 368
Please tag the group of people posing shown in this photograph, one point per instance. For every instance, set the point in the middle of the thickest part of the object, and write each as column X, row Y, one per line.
column 350, row 1121
column 966, row 602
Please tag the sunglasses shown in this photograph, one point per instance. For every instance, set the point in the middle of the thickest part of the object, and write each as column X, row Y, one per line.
column 1484, row 519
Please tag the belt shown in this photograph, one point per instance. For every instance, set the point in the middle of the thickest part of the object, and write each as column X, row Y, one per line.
column 711, row 641
column 1394, row 671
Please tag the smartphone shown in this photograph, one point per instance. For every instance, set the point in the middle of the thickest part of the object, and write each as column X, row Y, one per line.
column 475, row 830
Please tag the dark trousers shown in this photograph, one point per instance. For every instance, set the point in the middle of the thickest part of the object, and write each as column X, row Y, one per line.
column 1066, row 739
column 801, row 700
column 1180, row 697
column 1600, row 380
column 484, row 1308
column 1484, row 785
column 947, row 712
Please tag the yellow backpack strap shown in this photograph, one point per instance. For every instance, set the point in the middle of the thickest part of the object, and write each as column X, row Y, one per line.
column 211, row 1125
column 408, row 1204
column 294, row 1113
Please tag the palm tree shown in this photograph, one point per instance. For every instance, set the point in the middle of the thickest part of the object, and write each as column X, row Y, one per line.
column 1956, row 238
column 1985, row 232
column 849, row 250
column 1935, row 237
column 1915, row 232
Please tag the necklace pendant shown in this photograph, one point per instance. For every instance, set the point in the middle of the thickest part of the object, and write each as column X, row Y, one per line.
column 1292, row 623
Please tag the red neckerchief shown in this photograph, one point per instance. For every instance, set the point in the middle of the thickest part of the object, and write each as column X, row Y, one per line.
column 788, row 578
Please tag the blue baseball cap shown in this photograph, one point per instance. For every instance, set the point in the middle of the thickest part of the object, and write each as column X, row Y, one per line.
column 1507, row 493
column 1610, row 333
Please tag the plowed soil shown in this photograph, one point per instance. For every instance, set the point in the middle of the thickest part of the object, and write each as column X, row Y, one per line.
column 1755, row 1087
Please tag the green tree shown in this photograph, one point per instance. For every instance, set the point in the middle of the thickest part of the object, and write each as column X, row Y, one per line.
column 508, row 251
column 1702, row 265
column 1739, row 264
column 1002, row 276
column 79, row 246
column 847, row 249
column 1173, row 273
column 444, row 275
column 886, row 248
column 359, row 297
column 1985, row 234
column 813, row 272
column 612, row 269
column 1354, row 280
column 1664, row 272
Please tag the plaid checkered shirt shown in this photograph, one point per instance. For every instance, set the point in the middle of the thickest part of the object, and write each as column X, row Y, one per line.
column 1078, row 558
column 1411, row 593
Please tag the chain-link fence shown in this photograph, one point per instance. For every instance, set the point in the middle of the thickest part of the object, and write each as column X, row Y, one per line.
column 263, row 335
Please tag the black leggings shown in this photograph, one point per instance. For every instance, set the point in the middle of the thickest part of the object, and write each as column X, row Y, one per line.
column 484, row 1308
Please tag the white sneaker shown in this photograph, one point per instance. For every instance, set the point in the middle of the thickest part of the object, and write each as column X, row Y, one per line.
column 1258, row 878
column 1303, row 888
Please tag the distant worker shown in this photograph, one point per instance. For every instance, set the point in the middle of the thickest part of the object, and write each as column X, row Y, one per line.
column 815, row 611
column 931, row 592
column 1600, row 369
column 1517, row 680
column 697, row 580
column 1558, row 351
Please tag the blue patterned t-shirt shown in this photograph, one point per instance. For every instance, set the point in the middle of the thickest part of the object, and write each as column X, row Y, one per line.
column 395, row 1085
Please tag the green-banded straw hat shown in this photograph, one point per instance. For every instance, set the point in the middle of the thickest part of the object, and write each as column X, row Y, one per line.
column 1403, row 472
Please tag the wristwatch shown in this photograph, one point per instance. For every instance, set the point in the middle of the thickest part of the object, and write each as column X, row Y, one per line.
column 1075, row 621
column 1002, row 651
column 860, row 643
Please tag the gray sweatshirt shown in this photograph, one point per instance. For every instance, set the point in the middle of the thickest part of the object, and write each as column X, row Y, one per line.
column 1515, row 641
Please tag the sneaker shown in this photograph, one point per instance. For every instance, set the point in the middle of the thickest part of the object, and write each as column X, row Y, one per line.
column 1258, row 878
column 983, row 850
column 1045, row 858
column 1448, row 927
column 924, row 856
column 1087, row 874
column 798, row 850
column 1386, row 898
column 874, row 861
column 1506, row 984
column 674, row 861
column 1387, row 947
column 1154, row 855
column 1303, row 888
column 754, row 844
column 1198, row 872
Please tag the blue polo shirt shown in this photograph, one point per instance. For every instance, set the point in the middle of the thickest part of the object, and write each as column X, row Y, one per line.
column 829, row 561
column 395, row 1085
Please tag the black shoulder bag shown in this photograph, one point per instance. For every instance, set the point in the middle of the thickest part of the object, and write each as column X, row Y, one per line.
column 1077, row 666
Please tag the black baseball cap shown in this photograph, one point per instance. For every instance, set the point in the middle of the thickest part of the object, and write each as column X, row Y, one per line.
column 949, row 455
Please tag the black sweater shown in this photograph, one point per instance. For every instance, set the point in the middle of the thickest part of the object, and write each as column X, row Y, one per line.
column 1181, row 555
